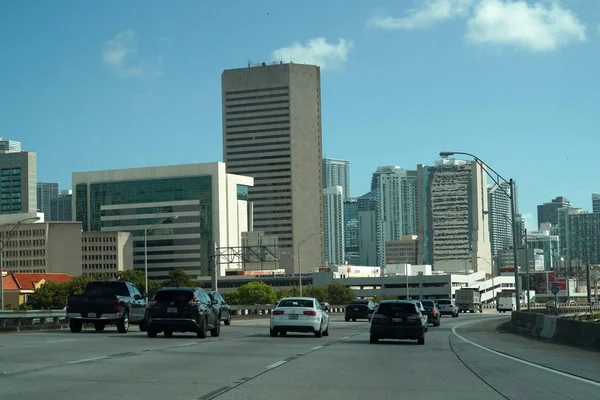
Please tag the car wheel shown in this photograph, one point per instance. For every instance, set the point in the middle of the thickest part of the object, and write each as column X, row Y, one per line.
column 228, row 320
column 168, row 333
column 319, row 333
column 203, row 330
column 217, row 331
column 151, row 333
column 421, row 340
column 123, row 325
column 373, row 339
column 272, row 333
column 346, row 319
column 75, row 325
column 326, row 331
column 143, row 326
column 99, row 327
column 437, row 323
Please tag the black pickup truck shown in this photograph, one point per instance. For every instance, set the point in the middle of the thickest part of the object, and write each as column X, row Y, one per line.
column 107, row 303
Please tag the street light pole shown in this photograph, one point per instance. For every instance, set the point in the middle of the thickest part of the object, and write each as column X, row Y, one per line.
column 146, row 230
column 511, row 196
column 8, row 235
column 299, row 259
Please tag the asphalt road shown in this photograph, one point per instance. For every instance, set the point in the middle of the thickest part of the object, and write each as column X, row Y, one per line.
column 245, row 363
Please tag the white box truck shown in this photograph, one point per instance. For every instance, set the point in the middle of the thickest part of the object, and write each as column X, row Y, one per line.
column 506, row 301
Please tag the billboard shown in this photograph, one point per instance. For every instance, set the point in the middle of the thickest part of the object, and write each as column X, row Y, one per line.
column 562, row 282
column 538, row 281
column 538, row 262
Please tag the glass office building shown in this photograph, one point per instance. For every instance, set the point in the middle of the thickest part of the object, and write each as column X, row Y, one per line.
column 177, row 208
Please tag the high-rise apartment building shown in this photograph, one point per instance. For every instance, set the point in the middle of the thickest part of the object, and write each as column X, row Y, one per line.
column 367, row 228
column 583, row 238
column 9, row 146
column 499, row 206
column 47, row 200
column 453, row 217
column 596, row 203
column 337, row 173
column 186, row 211
column 396, row 192
column 272, row 132
column 351, row 232
column 333, row 201
column 548, row 212
column 18, row 172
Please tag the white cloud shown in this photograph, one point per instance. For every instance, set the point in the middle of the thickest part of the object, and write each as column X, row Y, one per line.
column 118, row 52
column 428, row 13
column 538, row 27
column 316, row 51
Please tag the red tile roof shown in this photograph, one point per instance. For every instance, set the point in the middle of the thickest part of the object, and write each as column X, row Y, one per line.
column 25, row 281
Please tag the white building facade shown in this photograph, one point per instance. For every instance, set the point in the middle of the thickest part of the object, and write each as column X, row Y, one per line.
column 333, row 201
column 185, row 212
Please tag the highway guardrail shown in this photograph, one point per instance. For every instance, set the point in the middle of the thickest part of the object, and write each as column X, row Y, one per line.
column 18, row 320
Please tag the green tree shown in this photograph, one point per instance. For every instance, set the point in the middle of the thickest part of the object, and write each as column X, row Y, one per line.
column 256, row 293
column 339, row 294
column 178, row 278
column 381, row 297
column 138, row 278
column 232, row 297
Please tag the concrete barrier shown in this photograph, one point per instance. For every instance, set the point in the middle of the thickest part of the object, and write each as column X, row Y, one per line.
column 557, row 329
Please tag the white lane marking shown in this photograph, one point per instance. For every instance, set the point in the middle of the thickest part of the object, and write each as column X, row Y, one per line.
column 60, row 340
column 345, row 337
column 530, row 364
column 88, row 360
column 186, row 344
column 277, row 364
column 317, row 347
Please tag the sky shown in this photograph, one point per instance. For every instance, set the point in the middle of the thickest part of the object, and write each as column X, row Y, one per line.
column 103, row 85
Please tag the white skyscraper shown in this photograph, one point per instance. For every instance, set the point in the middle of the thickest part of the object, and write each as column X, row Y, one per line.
column 337, row 173
column 500, row 217
column 453, row 217
column 396, row 192
column 333, row 204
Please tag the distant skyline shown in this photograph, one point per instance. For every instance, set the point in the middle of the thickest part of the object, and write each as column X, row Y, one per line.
column 102, row 86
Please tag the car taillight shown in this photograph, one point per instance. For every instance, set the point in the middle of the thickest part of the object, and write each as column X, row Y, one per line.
column 432, row 312
column 117, row 304
column 278, row 312
column 313, row 313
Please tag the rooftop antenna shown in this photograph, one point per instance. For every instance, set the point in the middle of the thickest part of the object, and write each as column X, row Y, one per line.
column 249, row 63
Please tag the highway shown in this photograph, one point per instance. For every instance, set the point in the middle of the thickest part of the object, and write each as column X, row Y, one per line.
column 245, row 363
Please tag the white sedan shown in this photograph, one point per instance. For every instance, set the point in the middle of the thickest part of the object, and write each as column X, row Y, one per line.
column 299, row 314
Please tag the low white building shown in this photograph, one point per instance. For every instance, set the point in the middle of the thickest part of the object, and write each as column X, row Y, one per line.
column 106, row 253
column 186, row 211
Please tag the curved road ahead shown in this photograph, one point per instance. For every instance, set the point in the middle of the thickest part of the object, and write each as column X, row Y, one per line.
column 245, row 363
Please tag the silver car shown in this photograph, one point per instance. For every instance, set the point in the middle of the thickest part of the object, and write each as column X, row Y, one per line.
column 448, row 307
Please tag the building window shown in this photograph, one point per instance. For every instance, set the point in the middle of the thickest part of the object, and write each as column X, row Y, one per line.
column 242, row 192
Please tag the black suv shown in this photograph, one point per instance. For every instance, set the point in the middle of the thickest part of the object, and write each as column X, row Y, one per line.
column 359, row 309
column 398, row 319
column 183, row 309
column 433, row 313
column 223, row 307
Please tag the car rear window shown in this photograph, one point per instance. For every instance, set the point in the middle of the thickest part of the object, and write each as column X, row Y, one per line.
column 445, row 302
column 359, row 302
column 428, row 303
column 107, row 289
column 175, row 296
column 389, row 309
column 296, row 303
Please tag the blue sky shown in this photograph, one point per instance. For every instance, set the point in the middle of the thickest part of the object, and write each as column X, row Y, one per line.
column 101, row 85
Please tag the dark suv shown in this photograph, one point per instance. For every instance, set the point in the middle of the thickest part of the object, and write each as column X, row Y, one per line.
column 223, row 307
column 398, row 319
column 183, row 309
column 359, row 309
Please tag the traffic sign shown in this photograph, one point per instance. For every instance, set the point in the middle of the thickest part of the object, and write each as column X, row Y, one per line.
column 555, row 290
column 555, row 285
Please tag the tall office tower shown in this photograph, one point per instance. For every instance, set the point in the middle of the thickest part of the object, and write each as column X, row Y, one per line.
column 47, row 200
column 351, row 232
column 19, row 179
column 9, row 146
column 499, row 206
column 453, row 218
column 548, row 212
column 367, row 228
column 65, row 206
column 333, row 202
column 272, row 132
column 596, row 203
column 396, row 193
column 337, row 173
